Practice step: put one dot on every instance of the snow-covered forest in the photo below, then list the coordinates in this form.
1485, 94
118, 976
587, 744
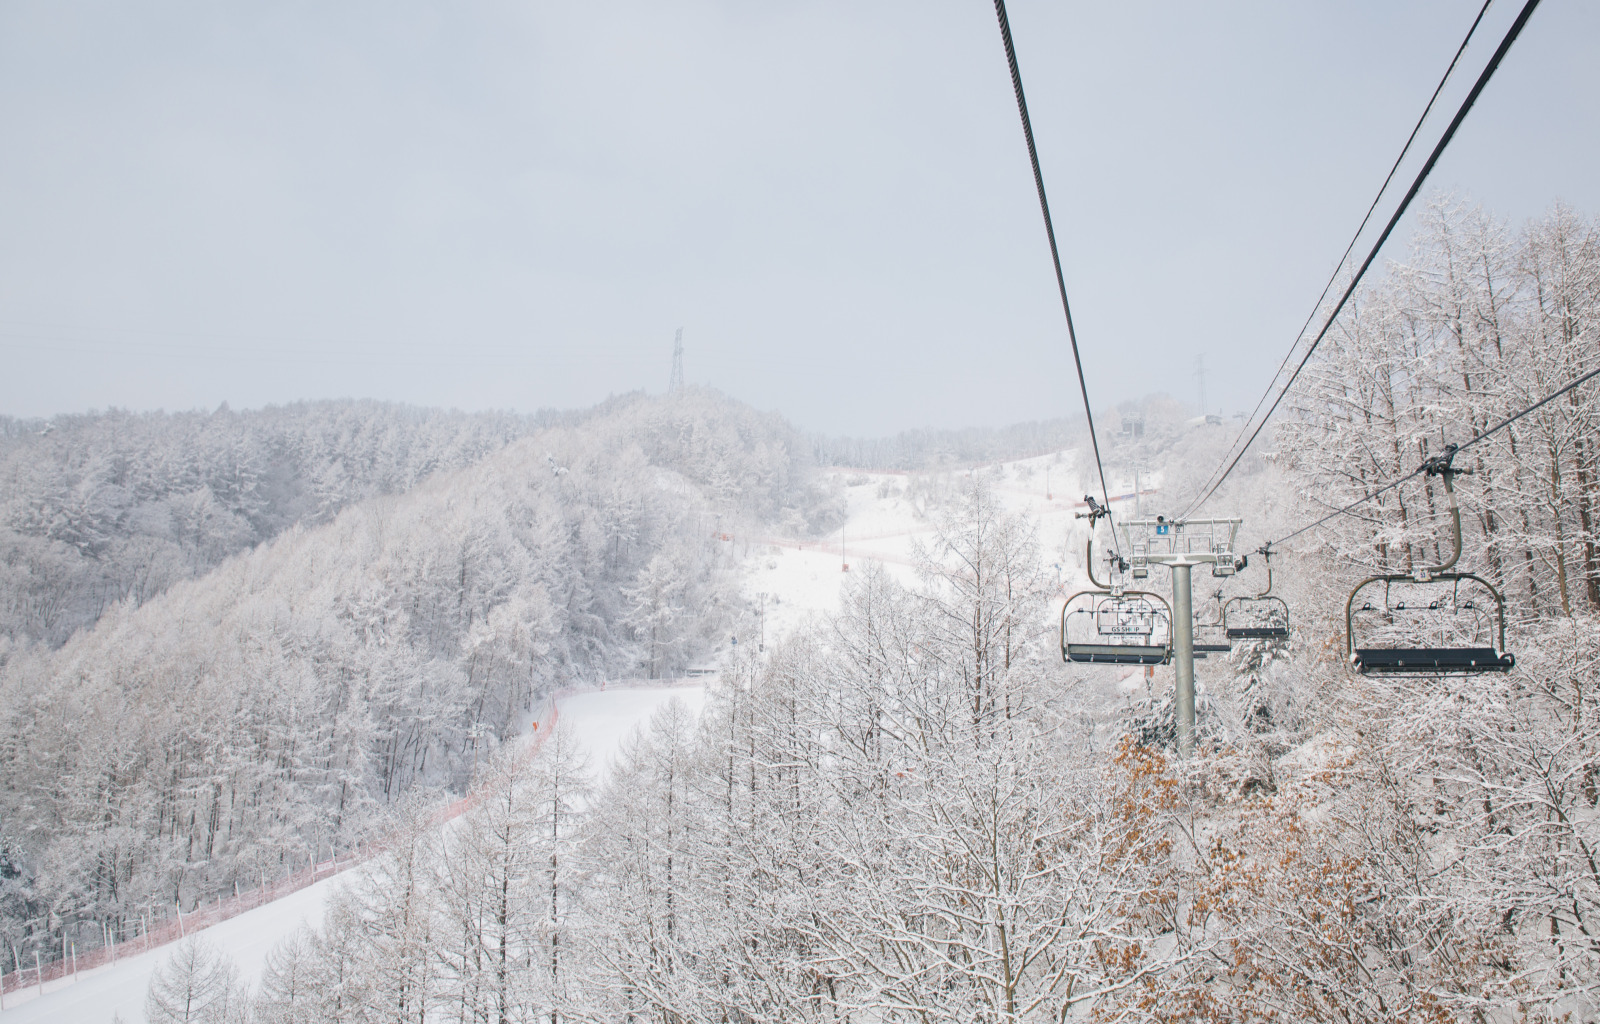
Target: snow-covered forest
219, 730
907, 810
109, 507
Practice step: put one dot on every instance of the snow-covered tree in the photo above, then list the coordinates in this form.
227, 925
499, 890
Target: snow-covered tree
196, 985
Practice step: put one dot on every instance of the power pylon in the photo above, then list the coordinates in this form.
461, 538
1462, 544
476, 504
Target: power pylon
677, 364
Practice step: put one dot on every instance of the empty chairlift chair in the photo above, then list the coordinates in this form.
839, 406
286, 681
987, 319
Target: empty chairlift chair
1262, 617
1431, 621
1104, 628
1110, 626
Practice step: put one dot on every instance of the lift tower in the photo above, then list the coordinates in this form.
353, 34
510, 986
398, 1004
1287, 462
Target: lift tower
676, 383
1180, 545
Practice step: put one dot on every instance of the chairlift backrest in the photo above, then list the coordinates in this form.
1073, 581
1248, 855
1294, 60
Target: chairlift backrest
1125, 616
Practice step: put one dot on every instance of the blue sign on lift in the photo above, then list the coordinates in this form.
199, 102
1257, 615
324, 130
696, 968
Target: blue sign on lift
1162, 529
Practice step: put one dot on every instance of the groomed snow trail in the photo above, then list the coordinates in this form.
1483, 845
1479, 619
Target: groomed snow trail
885, 520
119, 988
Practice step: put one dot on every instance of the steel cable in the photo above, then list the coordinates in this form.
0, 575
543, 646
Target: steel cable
1315, 306
1055, 254
1416, 186
1424, 467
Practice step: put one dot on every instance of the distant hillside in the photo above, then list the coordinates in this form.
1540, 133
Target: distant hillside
106, 507
244, 721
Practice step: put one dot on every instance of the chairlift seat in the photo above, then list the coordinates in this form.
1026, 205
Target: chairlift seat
1212, 648
1258, 633
1430, 660
1115, 654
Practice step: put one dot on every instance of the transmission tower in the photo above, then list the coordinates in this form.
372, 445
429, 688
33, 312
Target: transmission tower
677, 364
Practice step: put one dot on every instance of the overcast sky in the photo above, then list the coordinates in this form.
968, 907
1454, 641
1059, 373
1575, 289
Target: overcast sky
514, 205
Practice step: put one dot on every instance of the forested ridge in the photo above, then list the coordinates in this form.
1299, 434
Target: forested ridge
252, 719
101, 508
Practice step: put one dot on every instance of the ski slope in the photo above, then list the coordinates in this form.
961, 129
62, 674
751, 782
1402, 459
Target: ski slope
118, 988
888, 515
601, 721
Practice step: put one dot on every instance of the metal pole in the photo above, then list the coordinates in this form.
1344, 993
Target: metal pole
1183, 655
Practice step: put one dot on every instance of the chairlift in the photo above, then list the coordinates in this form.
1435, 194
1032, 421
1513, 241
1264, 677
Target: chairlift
1430, 621
1133, 627
1113, 626
1261, 617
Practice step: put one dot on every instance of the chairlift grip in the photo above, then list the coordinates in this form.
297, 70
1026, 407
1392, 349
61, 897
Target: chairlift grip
1096, 510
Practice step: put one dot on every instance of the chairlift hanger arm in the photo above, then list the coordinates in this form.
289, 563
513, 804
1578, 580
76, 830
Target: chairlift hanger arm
1441, 466
1088, 563
1265, 551
1096, 512
1217, 598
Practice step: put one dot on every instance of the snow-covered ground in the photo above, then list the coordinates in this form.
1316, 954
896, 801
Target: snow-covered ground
802, 580
886, 519
118, 989
601, 721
